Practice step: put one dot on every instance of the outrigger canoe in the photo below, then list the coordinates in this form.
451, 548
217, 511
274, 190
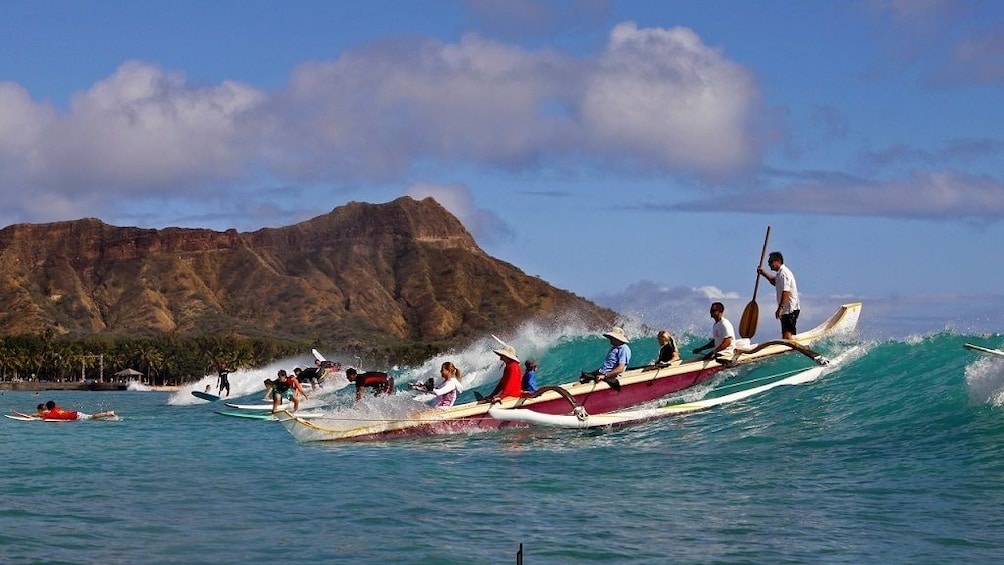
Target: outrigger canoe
634, 387
578, 418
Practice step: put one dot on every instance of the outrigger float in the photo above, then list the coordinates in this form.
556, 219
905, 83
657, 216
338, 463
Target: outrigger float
632, 388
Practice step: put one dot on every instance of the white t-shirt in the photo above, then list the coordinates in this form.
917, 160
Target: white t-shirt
785, 280
721, 330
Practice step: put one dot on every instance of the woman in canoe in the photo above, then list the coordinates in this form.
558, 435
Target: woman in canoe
446, 393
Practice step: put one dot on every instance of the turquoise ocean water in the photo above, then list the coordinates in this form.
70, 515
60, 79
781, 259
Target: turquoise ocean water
895, 457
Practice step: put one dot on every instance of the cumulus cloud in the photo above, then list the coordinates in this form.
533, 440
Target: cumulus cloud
660, 97
944, 195
665, 96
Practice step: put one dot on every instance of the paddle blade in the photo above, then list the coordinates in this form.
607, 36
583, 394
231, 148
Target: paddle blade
747, 325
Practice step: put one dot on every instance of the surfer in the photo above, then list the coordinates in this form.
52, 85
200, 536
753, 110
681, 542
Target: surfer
511, 382
224, 380
376, 380
286, 387
50, 411
317, 374
723, 334
787, 293
616, 361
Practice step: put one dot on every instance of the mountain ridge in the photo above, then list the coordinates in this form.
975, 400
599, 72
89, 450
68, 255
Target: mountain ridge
363, 275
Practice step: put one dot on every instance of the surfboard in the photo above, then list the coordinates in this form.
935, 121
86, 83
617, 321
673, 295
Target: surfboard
584, 421
252, 407
205, 396
28, 418
984, 350
264, 415
317, 355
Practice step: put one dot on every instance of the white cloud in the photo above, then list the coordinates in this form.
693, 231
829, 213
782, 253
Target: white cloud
666, 96
656, 97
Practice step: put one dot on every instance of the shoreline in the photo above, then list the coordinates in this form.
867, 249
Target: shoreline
32, 386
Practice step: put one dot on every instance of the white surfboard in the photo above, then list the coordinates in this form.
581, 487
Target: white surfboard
28, 418
266, 415
317, 355
251, 407
984, 350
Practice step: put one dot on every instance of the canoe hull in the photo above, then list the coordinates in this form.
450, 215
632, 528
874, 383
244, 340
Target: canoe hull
637, 386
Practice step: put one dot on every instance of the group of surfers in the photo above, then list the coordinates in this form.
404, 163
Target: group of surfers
288, 386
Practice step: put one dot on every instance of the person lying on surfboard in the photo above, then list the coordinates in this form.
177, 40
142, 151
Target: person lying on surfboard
52, 412
379, 382
317, 374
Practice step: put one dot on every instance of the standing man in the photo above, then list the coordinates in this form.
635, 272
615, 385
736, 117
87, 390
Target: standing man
723, 334
224, 381
787, 293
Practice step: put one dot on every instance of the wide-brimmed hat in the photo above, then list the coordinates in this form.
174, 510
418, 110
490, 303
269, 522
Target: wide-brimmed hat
618, 334
507, 351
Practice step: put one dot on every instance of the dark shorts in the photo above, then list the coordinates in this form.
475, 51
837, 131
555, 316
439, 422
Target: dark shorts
788, 322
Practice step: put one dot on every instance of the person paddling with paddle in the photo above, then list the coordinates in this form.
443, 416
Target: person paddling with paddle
723, 334
787, 293
616, 361
511, 383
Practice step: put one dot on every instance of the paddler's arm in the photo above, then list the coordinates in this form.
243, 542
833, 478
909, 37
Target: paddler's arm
711, 343
767, 276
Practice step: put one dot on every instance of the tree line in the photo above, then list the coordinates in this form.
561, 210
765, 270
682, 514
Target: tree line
162, 360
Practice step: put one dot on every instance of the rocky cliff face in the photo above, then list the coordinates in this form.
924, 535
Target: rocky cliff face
362, 275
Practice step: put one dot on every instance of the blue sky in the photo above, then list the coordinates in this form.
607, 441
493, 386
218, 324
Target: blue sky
632, 152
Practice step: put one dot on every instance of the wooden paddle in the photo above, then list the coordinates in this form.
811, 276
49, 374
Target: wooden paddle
747, 325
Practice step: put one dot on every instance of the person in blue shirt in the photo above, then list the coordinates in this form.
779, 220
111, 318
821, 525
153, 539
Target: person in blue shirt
616, 361
530, 375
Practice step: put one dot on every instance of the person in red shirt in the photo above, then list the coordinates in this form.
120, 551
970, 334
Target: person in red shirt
53, 412
511, 383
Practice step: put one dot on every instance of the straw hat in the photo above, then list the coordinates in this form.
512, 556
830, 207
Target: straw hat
618, 334
507, 351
